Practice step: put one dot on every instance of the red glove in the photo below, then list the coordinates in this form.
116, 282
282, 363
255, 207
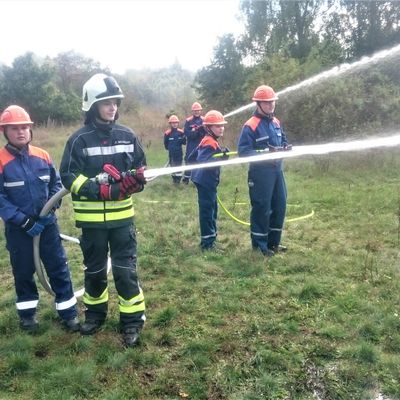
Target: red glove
110, 192
130, 184
112, 171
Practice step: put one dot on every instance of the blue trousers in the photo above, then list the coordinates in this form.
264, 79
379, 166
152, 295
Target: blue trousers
52, 254
208, 212
176, 159
268, 195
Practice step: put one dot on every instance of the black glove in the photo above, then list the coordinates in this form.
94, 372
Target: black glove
46, 219
287, 147
31, 227
224, 152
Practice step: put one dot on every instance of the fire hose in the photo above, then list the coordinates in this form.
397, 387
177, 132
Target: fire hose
297, 151
40, 271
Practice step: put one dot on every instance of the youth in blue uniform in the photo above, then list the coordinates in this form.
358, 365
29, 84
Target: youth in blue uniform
28, 180
207, 179
174, 139
194, 132
266, 181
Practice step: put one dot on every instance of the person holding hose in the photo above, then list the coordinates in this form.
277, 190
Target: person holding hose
97, 168
194, 132
267, 188
207, 179
28, 179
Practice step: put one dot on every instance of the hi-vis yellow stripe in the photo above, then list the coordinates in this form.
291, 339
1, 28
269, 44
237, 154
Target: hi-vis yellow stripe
87, 299
135, 304
105, 217
101, 205
77, 184
103, 211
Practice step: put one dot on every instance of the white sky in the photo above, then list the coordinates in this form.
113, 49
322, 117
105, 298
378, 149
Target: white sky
120, 34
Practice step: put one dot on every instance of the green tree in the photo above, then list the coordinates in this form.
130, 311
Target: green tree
32, 85
276, 26
364, 27
73, 69
221, 84
29, 85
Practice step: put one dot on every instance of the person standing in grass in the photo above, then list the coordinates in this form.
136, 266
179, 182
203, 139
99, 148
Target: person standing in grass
267, 188
194, 132
174, 139
28, 179
103, 205
207, 179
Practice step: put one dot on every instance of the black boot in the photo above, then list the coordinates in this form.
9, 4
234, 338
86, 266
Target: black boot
91, 326
72, 325
131, 336
265, 252
279, 249
29, 324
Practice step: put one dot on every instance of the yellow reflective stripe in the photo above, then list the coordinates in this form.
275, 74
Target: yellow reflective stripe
77, 183
102, 205
103, 298
104, 217
135, 304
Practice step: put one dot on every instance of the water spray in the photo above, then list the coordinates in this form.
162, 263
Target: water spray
333, 72
297, 151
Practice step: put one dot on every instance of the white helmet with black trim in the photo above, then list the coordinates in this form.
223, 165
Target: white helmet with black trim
100, 87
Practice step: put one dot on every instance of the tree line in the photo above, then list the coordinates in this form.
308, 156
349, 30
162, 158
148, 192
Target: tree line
283, 43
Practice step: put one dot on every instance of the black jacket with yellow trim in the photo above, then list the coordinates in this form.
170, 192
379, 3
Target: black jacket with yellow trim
85, 153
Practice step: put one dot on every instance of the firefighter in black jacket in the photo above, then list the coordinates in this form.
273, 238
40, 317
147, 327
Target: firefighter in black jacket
97, 168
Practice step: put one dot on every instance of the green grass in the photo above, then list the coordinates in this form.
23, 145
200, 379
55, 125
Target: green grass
322, 319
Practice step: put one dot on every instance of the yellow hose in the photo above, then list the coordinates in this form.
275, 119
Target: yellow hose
248, 224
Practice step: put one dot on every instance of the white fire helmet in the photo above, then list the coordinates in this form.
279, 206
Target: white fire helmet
100, 87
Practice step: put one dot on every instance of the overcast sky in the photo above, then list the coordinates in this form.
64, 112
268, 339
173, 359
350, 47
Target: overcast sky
120, 34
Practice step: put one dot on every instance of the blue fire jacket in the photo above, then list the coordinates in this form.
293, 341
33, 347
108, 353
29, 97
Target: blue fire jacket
207, 177
28, 180
194, 132
258, 133
174, 139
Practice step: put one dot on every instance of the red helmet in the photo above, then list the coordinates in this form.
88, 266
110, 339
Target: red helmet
173, 118
214, 117
196, 106
14, 115
264, 93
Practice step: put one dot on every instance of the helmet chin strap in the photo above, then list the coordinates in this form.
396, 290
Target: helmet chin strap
268, 115
210, 132
8, 140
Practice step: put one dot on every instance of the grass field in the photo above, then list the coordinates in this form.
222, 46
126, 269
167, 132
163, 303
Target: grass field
319, 322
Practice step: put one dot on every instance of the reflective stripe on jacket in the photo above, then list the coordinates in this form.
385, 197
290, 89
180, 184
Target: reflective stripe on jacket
258, 133
85, 154
174, 139
194, 132
27, 181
